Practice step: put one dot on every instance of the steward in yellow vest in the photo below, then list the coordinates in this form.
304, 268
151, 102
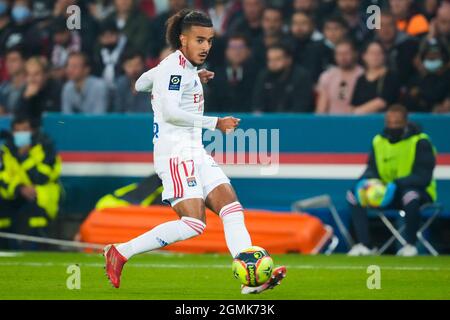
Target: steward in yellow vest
403, 158
29, 181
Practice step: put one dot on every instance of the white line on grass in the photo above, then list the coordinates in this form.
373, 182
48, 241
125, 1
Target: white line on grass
219, 266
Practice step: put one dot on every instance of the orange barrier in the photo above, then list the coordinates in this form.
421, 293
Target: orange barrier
276, 232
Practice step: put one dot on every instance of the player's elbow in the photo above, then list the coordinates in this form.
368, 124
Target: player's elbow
140, 86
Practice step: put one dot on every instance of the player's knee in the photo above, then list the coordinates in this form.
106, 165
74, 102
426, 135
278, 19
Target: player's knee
197, 225
231, 209
410, 196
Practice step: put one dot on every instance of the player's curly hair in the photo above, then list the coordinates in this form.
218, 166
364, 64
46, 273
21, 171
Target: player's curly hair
182, 21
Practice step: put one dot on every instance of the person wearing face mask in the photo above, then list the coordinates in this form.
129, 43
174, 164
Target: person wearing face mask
427, 91
29, 181
24, 32
404, 159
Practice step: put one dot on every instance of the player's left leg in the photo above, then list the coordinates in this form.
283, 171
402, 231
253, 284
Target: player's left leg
223, 201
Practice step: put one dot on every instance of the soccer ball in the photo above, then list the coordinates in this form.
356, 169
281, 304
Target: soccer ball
253, 266
375, 191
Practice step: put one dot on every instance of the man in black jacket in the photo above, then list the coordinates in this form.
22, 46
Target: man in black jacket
403, 158
283, 86
229, 91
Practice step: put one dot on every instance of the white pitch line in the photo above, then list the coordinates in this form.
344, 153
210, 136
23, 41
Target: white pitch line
219, 266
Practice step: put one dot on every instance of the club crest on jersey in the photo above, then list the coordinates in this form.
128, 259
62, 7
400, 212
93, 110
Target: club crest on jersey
174, 83
191, 182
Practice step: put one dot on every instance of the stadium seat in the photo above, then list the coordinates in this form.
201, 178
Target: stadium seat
430, 211
324, 201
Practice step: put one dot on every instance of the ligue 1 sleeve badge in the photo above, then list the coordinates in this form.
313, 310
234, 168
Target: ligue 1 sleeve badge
174, 83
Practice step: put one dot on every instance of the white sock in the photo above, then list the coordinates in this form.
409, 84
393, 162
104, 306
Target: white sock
236, 234
162, 235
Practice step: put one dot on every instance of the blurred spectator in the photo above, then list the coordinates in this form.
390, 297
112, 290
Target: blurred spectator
272, 26
220, 12
24, 31
11, 90
42, 9
440, 26
232, 83
311, 8
378, 87
64, 41
41, 93
335, 30
5, 24
29, 181
336, 85
126, 99
100, 9
89, 26
428, 90
408, 19
400, 48
283, 86
250, 24
108, 53
429, 8
132, 23
83, 93
159, 26
350, 10
308, 52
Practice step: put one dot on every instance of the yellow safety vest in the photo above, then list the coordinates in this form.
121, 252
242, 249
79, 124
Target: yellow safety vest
14, 173
396, 160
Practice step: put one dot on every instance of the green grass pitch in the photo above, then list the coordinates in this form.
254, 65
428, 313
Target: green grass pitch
184, 277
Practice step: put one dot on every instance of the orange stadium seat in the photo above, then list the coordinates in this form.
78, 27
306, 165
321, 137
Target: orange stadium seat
275, 231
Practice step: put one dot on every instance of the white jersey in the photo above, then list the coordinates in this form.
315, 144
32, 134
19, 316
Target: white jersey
178, 105
180, 160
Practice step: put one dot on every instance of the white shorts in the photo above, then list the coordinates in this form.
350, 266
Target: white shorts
188, 177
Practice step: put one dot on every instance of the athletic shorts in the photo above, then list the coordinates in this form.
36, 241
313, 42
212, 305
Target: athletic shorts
188, 177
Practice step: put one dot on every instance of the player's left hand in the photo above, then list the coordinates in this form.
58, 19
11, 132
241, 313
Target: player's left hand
205, 75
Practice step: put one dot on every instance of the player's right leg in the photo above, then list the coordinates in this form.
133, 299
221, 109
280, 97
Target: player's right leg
190, 224
186, 200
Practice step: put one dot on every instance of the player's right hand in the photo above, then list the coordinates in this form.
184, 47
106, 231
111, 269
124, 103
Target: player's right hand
227, 124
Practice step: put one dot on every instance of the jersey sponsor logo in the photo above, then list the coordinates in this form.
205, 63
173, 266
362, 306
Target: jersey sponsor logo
174, 83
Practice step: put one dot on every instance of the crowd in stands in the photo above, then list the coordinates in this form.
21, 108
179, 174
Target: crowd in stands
321, 56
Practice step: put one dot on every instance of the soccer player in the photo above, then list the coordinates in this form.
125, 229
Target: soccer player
191, 178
